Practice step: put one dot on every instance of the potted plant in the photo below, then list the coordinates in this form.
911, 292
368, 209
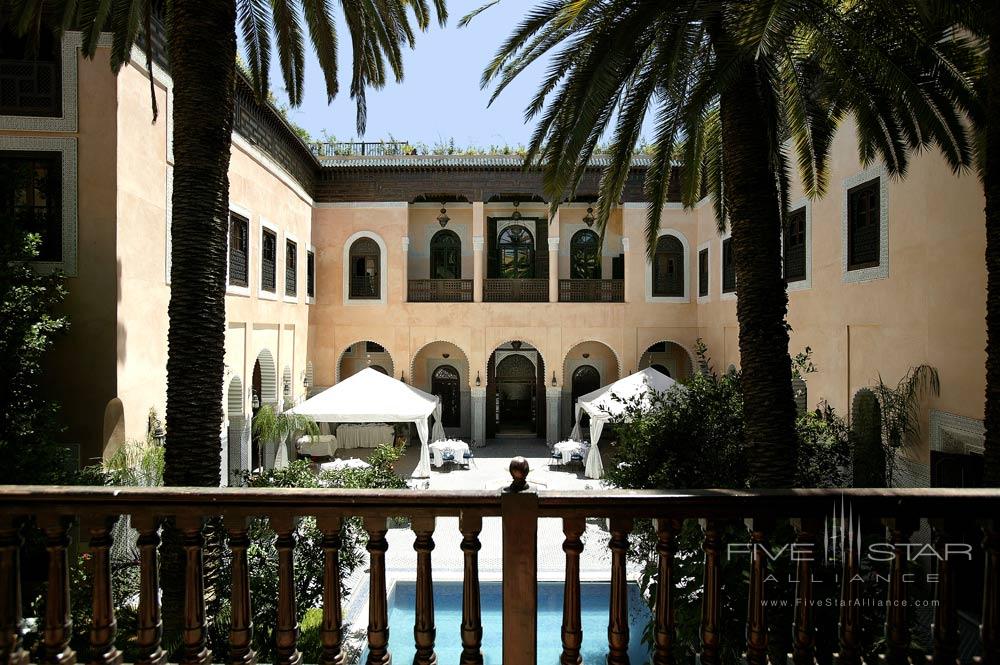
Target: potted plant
272, 430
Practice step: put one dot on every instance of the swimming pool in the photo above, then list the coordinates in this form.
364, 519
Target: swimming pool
448, 621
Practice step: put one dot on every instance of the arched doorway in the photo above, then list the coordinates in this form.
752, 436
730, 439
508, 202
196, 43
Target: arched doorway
365, 282
585, 255
445, 384
586, 379
360, 355
264, 390
515, 391
446, 255
669, 358
516, 253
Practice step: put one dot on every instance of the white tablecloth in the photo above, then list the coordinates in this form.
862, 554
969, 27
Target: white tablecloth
322, 445
368, 435
567, 449
338, 464
454, 446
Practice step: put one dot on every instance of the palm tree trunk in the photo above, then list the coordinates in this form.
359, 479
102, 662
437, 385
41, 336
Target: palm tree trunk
202, 51
991, 185
768, 399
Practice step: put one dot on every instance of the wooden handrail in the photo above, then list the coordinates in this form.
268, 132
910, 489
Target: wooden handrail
519, 506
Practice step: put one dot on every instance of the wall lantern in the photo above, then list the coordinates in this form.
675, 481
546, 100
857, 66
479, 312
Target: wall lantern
479, 381
516, 345
517, 213
443, 218
553, 378
445, 355
402, 377
589, 219
255, 402
586, 355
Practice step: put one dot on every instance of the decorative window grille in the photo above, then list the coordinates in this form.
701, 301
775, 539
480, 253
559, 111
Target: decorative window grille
30, 193
668, 268
585, 255
311, 274
703, 273
30, 80
863, 226
268, 258
239, 233
728, 267
365, 282
291, 268
795, 246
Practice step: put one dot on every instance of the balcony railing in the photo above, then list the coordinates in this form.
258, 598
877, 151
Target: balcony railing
516, 290
591, 290
364, 287
519, 507
439, 290
349, 148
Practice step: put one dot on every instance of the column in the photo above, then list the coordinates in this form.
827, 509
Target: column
553, 400
406, 268
554, 258
628, 270
478, 231
478, 394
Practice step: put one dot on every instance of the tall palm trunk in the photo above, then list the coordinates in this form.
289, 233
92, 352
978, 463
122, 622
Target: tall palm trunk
755, 221
202, 52
992, 188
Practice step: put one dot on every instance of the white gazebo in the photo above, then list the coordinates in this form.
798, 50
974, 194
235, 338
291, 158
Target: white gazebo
611, 400
372, 397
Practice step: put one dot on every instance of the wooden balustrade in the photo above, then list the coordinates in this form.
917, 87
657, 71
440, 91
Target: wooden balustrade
515, 290
519, 507
591, 290
439, 290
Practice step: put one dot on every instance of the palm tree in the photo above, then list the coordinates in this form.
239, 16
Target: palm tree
725, 84
201, 48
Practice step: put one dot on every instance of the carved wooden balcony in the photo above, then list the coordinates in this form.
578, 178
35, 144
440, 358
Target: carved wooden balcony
591, 290
516, 290
439, 290
52, 510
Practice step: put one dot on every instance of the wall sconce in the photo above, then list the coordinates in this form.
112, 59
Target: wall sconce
443, 218
445, 355
255, 402
402, 377
589, 219
553, 378
517, 213
586, 355
479, 381
516, 345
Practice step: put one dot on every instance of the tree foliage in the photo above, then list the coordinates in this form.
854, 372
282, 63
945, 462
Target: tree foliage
29, 325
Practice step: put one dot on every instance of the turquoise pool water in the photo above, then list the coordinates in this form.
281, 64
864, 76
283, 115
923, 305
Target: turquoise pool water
448, 621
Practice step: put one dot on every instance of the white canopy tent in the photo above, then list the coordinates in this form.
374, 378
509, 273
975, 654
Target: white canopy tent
372, 397
611, 400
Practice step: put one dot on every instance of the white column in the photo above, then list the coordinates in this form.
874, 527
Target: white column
553, 399
478, 394
554, 269
627, 268
478, 231
406, 268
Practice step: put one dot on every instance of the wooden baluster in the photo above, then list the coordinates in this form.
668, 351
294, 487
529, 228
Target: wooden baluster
897, 625
11, 622
150, 626
470, 524
572, 630
241, 622
58, 619
618, 636
330, 629
946, 613
378, 612
194, 649
804, 642
103, 628
423, 621
712, 546
519, 513
666, 548
286, 633
850, 589
990, 628
756, 611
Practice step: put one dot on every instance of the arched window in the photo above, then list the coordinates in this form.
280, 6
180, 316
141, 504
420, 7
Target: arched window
364, 258
661, 369
444, 384
516, 248
586, 379
668, 268
446, 255
585, 255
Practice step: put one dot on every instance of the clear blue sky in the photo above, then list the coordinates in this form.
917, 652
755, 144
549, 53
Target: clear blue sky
439, 97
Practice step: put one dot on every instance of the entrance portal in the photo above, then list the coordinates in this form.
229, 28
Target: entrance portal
515, 392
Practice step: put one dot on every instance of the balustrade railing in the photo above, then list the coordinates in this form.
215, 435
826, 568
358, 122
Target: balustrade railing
439, 290
516, 290
364, 287
591, 290
359, 148
53, 509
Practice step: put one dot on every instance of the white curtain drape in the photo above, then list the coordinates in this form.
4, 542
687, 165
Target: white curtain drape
595, 467
437, 434
423, 469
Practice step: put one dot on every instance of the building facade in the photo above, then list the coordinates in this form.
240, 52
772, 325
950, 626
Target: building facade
448, 272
